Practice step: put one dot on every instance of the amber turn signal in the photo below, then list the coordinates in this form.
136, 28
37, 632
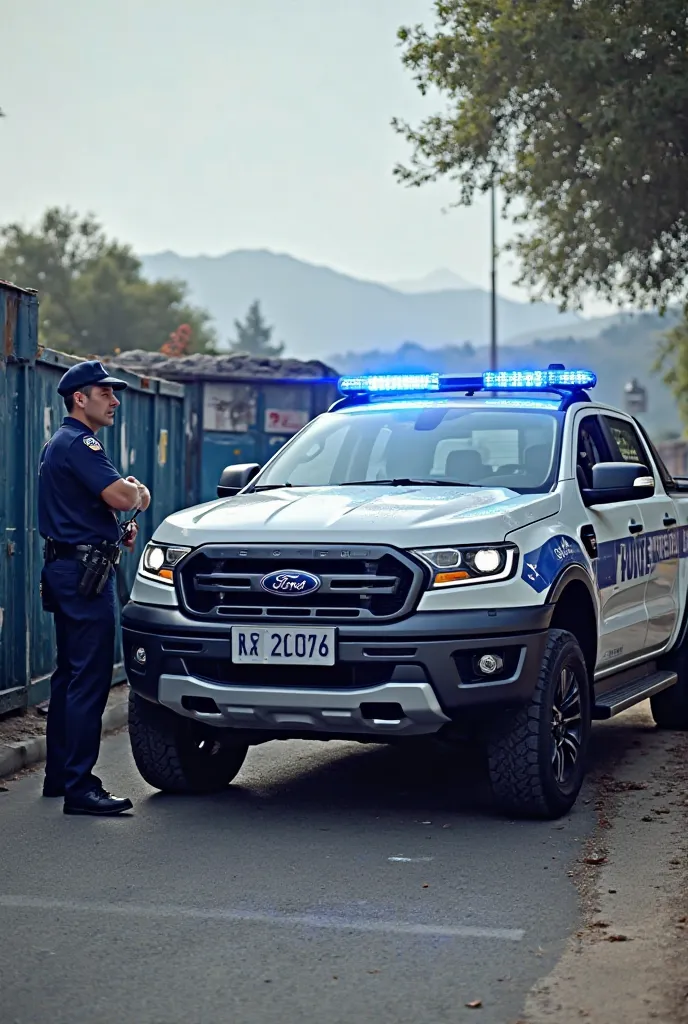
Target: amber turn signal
450, 577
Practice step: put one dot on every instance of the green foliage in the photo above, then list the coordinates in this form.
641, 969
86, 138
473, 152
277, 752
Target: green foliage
579, 110
254, 336
93, 299
672, 359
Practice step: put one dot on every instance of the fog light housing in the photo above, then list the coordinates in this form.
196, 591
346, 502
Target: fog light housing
489, 664
140, 655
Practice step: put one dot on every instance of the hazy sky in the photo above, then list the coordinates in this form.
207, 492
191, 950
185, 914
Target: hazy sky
209, 125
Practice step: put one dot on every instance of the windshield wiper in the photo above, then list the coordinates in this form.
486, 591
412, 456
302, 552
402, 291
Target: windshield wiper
407, 481
269, 487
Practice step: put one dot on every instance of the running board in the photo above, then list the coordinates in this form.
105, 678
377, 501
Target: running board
615, 701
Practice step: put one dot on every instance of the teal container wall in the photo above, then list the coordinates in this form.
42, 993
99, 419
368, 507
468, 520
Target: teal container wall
148, 441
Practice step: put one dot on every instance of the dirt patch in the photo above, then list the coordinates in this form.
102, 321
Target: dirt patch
19, 727
627, 964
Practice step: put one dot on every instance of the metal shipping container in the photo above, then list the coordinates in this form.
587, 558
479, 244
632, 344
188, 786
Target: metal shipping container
239, 408
148, 440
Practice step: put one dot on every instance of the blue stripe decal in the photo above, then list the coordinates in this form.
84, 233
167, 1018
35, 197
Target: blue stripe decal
542, 566
619, 561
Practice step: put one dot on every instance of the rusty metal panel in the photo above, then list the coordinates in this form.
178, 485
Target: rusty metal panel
148, 441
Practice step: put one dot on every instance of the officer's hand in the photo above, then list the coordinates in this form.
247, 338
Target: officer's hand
130, 539
144, 493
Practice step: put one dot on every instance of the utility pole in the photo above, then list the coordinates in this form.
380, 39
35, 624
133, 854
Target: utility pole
493, 296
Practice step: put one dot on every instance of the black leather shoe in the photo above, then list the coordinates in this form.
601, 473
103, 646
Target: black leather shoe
98, 802
52, 791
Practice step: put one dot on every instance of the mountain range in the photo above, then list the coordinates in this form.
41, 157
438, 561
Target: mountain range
440, 322
317, 311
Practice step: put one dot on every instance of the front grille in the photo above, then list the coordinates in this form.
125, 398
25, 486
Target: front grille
344, 676
223, 582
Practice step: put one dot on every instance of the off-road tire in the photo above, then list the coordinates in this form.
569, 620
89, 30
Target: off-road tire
178, 755
521, 742
670, 707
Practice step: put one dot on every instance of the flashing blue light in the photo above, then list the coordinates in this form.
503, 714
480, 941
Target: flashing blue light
523, 380
389, 382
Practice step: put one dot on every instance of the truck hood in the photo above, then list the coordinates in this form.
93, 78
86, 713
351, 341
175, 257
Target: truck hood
405, 517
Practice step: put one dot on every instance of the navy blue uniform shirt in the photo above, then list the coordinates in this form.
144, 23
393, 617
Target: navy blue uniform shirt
74, 470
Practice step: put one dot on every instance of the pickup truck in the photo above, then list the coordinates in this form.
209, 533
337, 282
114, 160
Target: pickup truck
494, 557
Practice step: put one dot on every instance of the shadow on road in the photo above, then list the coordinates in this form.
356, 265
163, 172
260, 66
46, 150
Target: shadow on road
419, 778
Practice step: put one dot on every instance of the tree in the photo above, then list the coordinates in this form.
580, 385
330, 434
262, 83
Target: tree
254, 335
579, 110
672, 358
93, 298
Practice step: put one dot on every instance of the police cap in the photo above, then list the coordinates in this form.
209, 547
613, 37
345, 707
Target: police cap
84, 375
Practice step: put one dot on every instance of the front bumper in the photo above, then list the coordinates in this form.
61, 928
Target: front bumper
409, 677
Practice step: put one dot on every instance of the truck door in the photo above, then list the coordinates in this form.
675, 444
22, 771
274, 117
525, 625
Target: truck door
623, 615
658, 546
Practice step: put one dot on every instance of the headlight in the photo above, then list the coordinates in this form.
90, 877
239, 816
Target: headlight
159, 560
452, 567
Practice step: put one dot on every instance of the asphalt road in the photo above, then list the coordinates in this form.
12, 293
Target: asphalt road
332, 882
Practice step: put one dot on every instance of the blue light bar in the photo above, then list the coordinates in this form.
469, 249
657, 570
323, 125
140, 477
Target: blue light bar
523, 380
389, 382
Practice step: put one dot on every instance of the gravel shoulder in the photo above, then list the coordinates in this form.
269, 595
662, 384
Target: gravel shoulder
627, 965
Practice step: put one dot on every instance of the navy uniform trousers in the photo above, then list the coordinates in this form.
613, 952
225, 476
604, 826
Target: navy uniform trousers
79, 687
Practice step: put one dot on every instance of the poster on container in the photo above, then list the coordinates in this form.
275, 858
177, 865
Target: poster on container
229, 407
285, 421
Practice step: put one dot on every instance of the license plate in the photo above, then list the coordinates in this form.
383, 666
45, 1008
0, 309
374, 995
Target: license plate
276, 645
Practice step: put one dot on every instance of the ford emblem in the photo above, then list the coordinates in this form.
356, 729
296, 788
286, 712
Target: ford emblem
290, 583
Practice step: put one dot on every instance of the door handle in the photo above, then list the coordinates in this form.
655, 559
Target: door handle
669, 520
634, 527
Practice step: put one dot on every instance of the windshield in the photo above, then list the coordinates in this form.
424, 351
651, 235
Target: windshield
443, 445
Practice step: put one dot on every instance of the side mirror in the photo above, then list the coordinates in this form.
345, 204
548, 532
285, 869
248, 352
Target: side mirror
235, 478
619, 481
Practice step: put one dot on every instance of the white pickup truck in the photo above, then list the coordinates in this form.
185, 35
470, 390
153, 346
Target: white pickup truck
496, 556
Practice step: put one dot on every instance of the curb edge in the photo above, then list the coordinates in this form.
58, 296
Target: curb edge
15, 756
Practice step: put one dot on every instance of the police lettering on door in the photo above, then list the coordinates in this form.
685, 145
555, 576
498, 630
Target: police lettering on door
632, 558
637, 556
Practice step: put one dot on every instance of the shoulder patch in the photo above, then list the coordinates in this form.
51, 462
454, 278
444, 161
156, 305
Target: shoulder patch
93, 443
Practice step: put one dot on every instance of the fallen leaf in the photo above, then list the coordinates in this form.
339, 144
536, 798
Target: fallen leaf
595, 858
617, 938
475, 1004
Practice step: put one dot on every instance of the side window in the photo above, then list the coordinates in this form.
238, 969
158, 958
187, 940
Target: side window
628, 444
590, 449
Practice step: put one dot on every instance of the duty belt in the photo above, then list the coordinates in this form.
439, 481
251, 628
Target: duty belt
55, 549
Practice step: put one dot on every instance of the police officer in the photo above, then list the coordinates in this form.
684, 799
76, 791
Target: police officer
79, 495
